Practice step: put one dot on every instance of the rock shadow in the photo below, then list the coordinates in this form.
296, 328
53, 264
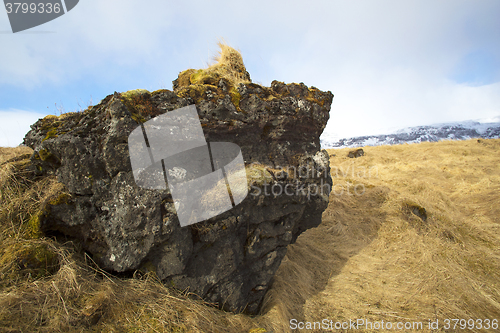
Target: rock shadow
349, 224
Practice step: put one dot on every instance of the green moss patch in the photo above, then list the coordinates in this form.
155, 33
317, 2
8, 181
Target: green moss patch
53, 126
49, 122
62, 198
148, 268
184, 78
159, 91
34, 225
316, 96
46, 155
35, 259
51, 134
235, 97
197, 92
33, 229
202, 76
140, 105
131, 94
138, 118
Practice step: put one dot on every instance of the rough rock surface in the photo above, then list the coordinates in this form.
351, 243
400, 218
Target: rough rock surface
229, 259
356, 153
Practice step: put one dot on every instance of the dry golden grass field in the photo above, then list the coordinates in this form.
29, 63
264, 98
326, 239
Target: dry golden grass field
411, 234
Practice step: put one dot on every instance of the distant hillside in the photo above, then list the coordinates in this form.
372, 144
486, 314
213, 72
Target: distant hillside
432, 133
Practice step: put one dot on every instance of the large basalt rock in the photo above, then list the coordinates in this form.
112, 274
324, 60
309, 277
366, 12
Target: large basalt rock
229, 259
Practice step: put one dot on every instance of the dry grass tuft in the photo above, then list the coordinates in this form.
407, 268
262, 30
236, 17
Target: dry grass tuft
23, 195
229, 66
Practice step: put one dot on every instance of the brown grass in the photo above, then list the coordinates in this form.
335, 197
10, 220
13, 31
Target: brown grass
23, 195
80, 297
8, 153
376, 256
375, 259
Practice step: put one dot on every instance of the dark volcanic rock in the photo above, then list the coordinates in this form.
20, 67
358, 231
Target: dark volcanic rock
229, 259
356, 153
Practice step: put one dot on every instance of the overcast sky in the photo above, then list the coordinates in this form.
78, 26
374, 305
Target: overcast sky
390, 64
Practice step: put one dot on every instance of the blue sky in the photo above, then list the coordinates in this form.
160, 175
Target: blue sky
389, 63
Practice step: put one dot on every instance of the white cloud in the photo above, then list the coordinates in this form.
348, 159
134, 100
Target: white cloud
389, 63
14, 124
95, 35
385, 105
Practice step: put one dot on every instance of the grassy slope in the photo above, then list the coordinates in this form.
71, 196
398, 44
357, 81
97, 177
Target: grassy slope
373, 257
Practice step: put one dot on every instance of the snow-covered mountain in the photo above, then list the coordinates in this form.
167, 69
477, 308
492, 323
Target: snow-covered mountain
447, 131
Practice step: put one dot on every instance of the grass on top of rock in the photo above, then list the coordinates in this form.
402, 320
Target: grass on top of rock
139, 103
228, 65
214, 83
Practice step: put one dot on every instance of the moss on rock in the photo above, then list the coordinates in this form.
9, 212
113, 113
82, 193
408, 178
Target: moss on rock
46, 155
51, 134
148, 268
34, 227
140, 105
197, 92
34, 223
32, 258
131, 94
235, 97
62, 198
184, 78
